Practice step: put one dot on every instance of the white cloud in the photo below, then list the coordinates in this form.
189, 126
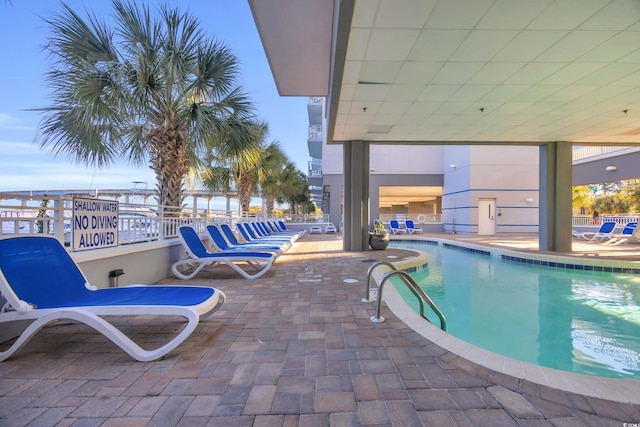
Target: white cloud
11, 122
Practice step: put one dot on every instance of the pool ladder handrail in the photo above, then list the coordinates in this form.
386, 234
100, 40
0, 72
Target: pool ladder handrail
367, 288
415, 290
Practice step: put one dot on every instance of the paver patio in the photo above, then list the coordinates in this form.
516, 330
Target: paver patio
293, 348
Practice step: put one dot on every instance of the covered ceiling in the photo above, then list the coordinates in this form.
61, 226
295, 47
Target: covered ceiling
402, 195
462, 71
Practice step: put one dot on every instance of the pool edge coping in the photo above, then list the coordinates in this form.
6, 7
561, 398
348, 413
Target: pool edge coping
613, 389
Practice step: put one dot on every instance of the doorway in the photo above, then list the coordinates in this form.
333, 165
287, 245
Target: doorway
486, 217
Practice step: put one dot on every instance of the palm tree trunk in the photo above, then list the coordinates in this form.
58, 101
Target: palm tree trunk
268, 206
245, 185
170, 164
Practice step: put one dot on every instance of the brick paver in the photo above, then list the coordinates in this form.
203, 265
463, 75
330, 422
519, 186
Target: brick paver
293, 348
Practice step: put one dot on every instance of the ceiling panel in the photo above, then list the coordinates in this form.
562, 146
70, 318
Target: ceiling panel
482, 45
437, 45
510, 15
616, 15
403, 13
495, 72
458, 13
574, 45
528, 45
379, 71
456, 73
567, 14
390, 44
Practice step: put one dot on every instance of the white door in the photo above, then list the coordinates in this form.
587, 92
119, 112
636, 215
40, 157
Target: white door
486, 217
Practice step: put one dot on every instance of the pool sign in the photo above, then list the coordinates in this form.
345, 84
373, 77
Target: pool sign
95, 224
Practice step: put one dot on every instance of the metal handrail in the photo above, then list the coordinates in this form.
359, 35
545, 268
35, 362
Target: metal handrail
416, 290
367, 288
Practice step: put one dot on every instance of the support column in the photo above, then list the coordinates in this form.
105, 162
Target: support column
555, 197
356, 196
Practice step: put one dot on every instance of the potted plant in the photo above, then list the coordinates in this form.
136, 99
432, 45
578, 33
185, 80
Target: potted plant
379, 238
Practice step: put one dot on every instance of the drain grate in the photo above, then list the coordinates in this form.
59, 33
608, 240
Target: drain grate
369, 260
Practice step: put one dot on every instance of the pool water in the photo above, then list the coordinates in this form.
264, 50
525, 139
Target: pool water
580, 321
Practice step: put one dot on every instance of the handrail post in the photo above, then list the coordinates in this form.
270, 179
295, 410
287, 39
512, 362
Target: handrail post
417, 290
367, 288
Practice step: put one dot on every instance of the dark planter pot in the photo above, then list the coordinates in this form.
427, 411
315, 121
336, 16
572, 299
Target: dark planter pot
378, 242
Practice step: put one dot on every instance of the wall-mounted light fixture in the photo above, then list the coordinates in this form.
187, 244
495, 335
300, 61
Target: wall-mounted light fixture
611, 168
529, 200
453, 166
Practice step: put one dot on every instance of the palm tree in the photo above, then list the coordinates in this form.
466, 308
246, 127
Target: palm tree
149, 89
270, 172
295, 188
237, 170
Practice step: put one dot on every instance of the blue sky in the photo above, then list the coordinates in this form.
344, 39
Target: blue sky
24, 166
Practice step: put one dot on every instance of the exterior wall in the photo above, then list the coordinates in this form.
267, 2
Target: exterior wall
595, 171
133, 259
507, 174
455, 192
332, 159
406, 159
466, 173
335, 203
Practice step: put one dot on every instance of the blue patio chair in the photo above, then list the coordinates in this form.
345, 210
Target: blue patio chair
42, 284
249, 234
605, 232
300, 232
220, 242
197, 257
231, 238
395, 227
627, 234
411, 228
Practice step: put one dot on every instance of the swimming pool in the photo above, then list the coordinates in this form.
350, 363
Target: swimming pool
586, 322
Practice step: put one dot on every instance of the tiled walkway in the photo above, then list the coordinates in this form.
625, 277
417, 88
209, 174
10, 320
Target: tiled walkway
293, 348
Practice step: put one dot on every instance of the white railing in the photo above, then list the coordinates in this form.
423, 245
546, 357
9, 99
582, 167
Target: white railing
299, 219
136, 222
621, 220
315, 132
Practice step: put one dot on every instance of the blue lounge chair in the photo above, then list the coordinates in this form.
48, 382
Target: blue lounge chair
197, 257
219, 241
331, 228
283, 227
605, 232
250, 236
411, 228
272, 231
395, 227
42, 284
231, 238
624, 236
261, 232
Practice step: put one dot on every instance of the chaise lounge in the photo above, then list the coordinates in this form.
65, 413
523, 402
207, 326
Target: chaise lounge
604, 232
42, 284
197, 257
